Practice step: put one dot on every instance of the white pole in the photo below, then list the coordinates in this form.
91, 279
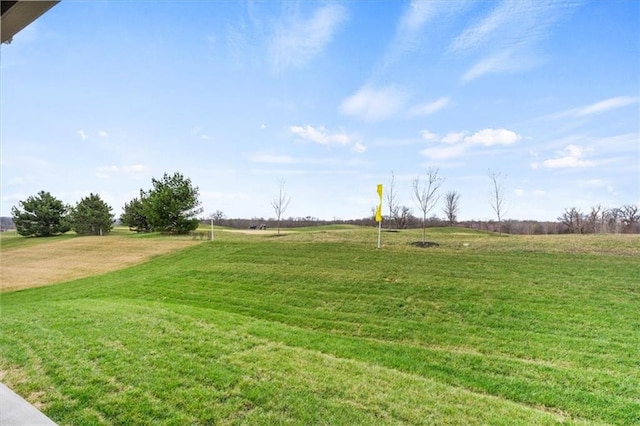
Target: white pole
379, 231
211, 229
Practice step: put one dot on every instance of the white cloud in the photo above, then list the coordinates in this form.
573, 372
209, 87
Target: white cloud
103, 134
489, 137
320, 135
413, 25
539, 193
298, 40
599, 107
570, 157
135, 169
507, 35
518, 192
82, 134
374, 104
500, 62
416, 16
429, 108
457, 143
428, 136
607, 105
359, 148
452, 138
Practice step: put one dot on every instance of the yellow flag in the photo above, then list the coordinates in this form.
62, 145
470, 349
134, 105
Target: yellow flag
379, 213
379, 208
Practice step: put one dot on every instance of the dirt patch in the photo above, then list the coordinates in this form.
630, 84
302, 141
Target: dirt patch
66, 260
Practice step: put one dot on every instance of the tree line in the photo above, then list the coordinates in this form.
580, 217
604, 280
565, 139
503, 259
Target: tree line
600, 220
171, 206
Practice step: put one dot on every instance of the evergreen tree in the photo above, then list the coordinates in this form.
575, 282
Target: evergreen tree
42, 215
92, 216
172, 205
134, 215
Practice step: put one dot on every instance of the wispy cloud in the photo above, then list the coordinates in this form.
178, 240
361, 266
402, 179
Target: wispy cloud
135, 171
599, 107
429, 108
320, 135
374, 104
82, 134
297, 40
413, 24
506, 37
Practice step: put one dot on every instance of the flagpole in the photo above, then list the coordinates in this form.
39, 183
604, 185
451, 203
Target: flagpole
379, 212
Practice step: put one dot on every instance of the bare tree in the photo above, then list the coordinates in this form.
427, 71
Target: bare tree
217, 216
496, 197
629, 215
280, 203
403, 216
451, 206
425, 194
572, 219
592, 218
392, 201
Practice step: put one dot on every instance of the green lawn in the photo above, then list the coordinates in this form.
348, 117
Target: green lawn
321, 327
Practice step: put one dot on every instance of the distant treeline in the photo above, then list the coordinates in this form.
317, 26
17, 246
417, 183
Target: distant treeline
516, 227
522, 227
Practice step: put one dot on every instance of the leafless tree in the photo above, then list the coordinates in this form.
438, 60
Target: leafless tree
217, 216
613, 217
572, 219
496, 197
425, 194
392, 201
604, 220
629, 215
403, 216
593, 217
451, 206
280, 203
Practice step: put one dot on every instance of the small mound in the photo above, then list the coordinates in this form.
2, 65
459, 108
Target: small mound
425, 244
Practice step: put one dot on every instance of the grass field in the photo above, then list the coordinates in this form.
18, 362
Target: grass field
319, 327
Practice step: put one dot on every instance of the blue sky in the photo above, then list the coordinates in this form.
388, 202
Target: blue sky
101, 96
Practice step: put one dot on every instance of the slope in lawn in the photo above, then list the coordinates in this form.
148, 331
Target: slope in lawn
302, 329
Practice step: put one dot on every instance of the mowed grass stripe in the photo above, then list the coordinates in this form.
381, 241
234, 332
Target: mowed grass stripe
231, 375
547, 330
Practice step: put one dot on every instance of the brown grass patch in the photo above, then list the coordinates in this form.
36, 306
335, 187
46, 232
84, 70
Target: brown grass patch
65, 260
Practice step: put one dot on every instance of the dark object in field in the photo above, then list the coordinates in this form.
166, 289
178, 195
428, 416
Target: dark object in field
425, 244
